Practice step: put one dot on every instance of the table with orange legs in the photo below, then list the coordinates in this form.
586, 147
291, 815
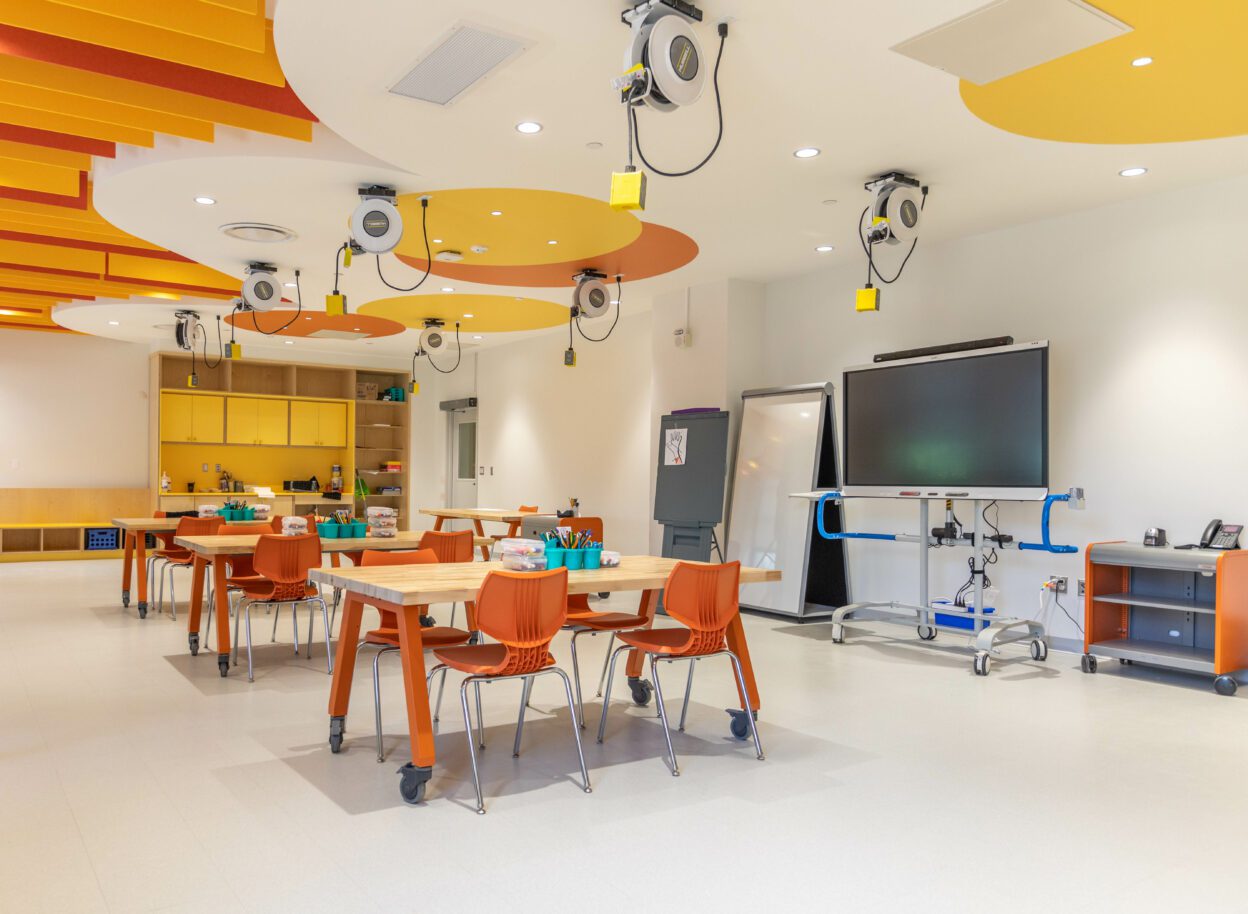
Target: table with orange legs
404, 589
215, 552
477, 515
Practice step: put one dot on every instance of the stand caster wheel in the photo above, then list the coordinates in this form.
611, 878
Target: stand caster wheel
642, 690
927, 633
193, 640
223, 665
142, 610
739, 724
427, 622
1087, 663
1225, 685
337, 727
838, 633
412, 783
982, 663
1039, 650
125, 598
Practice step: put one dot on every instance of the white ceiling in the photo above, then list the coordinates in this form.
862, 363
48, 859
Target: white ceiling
795, 73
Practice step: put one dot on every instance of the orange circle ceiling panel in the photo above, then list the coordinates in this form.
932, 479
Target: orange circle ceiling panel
1097, 96
316, 324
656, 251
475, 313
512, 226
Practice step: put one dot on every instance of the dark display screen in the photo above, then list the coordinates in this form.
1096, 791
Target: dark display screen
976, 422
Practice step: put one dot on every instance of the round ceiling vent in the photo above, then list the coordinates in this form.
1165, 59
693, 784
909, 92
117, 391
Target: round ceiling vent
257, 231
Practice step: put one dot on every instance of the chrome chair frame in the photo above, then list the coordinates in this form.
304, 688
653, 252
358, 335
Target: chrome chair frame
244, 610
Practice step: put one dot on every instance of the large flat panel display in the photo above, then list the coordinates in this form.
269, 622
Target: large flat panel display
973, 425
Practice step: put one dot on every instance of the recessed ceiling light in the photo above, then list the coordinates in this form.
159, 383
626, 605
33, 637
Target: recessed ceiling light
615, 301
289, 285
205, 201
437, 240
469, 316
1141, 61
307, 318
1133, 172
496, 212
806, 152
824, 249
477, 337
355, 329
593, 144
114, 323
829, 203
448, 288
529, 127
552, 241
290, 342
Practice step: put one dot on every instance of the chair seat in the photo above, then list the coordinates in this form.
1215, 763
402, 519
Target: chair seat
242, 581
175, 556
481, 659
606, 622
436, 636
660, 640
261, 591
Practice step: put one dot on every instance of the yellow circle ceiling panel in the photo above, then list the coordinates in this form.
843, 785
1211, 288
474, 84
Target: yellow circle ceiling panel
475, 313
522, 232
1193, 89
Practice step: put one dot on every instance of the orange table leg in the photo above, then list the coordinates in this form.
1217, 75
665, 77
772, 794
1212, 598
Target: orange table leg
140, 569
485, 550
737, 644
437, 523
197, 602
344, 669
220, 609
649, 604
417, 772
126, 568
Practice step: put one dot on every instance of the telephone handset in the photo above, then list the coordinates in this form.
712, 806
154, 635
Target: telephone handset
1221, 536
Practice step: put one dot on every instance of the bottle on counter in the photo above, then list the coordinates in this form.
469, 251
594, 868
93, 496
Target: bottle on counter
165, 482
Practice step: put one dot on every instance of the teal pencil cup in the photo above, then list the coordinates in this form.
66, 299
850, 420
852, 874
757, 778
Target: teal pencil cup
249, 513
554, 557
574, 559
593, 558
359, 529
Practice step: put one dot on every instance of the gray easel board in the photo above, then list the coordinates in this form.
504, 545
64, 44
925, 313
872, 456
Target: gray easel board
693, 466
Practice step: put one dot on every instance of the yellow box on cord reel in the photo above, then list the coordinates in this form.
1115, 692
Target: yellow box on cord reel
628, 190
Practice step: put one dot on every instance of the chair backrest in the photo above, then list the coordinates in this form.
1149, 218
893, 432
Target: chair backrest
577, 524
704, 598
244, 529
287, 559
513, 529
523, 611
449, 546
374, 557
166, 538
199, 526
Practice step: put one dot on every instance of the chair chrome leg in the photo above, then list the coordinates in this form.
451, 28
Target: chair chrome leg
381, 755
329, 650
311, 620
173, 597
658, 698
684, 711
472, 749
251, 673
277, 611
525, 688
576, 677
238, 616
605, 657
606, 697
437, 708
480, 716
294, 625
576, 731
749, 715
453, 605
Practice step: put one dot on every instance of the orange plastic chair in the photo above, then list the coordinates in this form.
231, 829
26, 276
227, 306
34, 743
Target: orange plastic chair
513, 528
522, 612
177, 557
449, 546
282, 564
704, 598
386, 635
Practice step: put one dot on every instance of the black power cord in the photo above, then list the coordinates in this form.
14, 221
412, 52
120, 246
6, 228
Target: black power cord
424, 228
294, 317
220, 347
458, 358
634, 134
619, 303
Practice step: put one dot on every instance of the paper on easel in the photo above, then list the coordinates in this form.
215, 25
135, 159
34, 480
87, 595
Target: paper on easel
675, 447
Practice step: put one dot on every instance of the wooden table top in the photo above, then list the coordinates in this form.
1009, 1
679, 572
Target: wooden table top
418, 584
162, 524
245, 545
502, 515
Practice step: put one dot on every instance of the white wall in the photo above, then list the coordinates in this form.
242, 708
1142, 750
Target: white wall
73, 411
1146, 306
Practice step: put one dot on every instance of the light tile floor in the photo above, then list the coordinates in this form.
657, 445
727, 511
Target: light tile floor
133, 778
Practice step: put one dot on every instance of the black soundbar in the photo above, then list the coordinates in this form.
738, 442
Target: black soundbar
942, 350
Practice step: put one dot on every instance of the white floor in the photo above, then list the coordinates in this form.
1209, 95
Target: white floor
133, 778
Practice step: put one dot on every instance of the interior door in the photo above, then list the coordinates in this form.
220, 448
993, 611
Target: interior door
462, 470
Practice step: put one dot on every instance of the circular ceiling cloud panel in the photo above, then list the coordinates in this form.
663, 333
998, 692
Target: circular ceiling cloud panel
521, 233
489, 313
1097, 96
316, 324
656, 251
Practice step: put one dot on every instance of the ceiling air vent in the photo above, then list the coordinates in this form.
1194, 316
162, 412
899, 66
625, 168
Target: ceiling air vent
456, 62
1008, 36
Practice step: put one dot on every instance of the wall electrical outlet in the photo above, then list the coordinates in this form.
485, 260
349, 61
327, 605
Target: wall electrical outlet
1061, 585
1082, 585
218, 468
204, 468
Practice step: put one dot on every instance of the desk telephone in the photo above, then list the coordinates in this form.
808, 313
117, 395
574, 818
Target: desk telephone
1221, 536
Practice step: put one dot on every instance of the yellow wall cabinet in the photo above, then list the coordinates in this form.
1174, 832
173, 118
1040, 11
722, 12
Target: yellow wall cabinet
318, 424
249, 420
190, 418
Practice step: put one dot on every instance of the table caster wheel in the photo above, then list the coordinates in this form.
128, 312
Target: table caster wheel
642, 690
838, 633
125, 598
738, 723
1225, 685
337, 727
193, 640
1039, 650
927, 633
412, 783
427, 622
1087, 663
142, 610
982, 663
223, 665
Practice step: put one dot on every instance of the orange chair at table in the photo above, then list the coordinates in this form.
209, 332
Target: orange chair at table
522, 612
513, 528
282, 564
242, 567
704, 598
450, 546
175, 556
